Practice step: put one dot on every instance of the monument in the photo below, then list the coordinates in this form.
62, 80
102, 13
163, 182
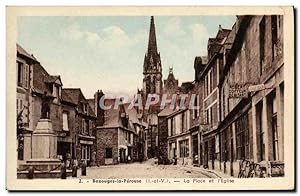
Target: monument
44, 159
44, 139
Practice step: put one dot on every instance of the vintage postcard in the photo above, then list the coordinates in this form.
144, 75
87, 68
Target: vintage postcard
150, 98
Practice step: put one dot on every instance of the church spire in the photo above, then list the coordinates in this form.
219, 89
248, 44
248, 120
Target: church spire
152, 46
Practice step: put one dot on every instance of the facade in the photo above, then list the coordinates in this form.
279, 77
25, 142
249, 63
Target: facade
65, 112
170, 84
163, 134
179, 137
152, 82
196, 117
256, 129
210, 78
81, 119
24, 64
117, 138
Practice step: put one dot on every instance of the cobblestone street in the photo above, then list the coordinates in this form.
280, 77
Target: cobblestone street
145, 170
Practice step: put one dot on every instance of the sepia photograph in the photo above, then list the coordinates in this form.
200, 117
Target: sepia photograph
170, 98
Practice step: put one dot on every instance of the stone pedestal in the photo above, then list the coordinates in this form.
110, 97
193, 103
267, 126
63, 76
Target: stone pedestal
44, 141
44, 153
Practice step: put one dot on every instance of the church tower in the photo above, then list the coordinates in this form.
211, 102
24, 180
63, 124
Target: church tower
152, 82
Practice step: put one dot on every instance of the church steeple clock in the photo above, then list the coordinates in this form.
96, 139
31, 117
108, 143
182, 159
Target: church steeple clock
152, 82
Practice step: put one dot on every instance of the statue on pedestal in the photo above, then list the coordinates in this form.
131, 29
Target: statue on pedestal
45, 112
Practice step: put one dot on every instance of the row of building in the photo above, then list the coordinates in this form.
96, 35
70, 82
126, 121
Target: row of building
82, 130
239, 88
240, 94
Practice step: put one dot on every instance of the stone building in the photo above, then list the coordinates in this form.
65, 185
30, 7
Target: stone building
179, 137
163, 135
196, 120
137, 124
24, 67
252, 122
170, 84
152, 82
210, 78
34, 85
116, 137
80, 117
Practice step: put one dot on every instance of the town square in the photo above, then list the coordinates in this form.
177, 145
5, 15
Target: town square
150, 97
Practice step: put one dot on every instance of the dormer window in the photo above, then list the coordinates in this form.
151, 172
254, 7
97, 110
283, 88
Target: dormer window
84, 108
23, 74
56, 92
65, 121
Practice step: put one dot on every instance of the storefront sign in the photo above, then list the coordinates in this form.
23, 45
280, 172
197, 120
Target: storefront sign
86, 142
255, 88
238, 91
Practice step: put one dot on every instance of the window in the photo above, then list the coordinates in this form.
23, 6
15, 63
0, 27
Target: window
274, 24
260, 133
87, 126
262, 30
210, 115
65, 121
207, 116
196, 104
209, 83
108, 153
242, 140
184, 148
85, 152
20, 73
275, 137
55, 93
129, 138
26, 76
224, 145
205, 86
211, 80
223, 103
84, 107
169, 127
183, 127
23, 74
83, 126
172, 126
274, 127
19, 105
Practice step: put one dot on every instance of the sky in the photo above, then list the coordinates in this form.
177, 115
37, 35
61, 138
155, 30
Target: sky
107, 52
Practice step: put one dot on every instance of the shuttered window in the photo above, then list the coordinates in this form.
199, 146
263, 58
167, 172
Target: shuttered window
65, 121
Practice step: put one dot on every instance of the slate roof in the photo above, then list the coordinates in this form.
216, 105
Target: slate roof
112, 115
52, 78
91, 103
223, 33
132, 113
186, 87
167, 111
77, 97
23, 52
65, 97
74, 94
40, 76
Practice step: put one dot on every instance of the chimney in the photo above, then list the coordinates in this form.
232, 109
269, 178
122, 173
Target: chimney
220, 27
99, 111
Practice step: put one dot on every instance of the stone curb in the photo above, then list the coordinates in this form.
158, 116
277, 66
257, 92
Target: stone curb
206, 172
